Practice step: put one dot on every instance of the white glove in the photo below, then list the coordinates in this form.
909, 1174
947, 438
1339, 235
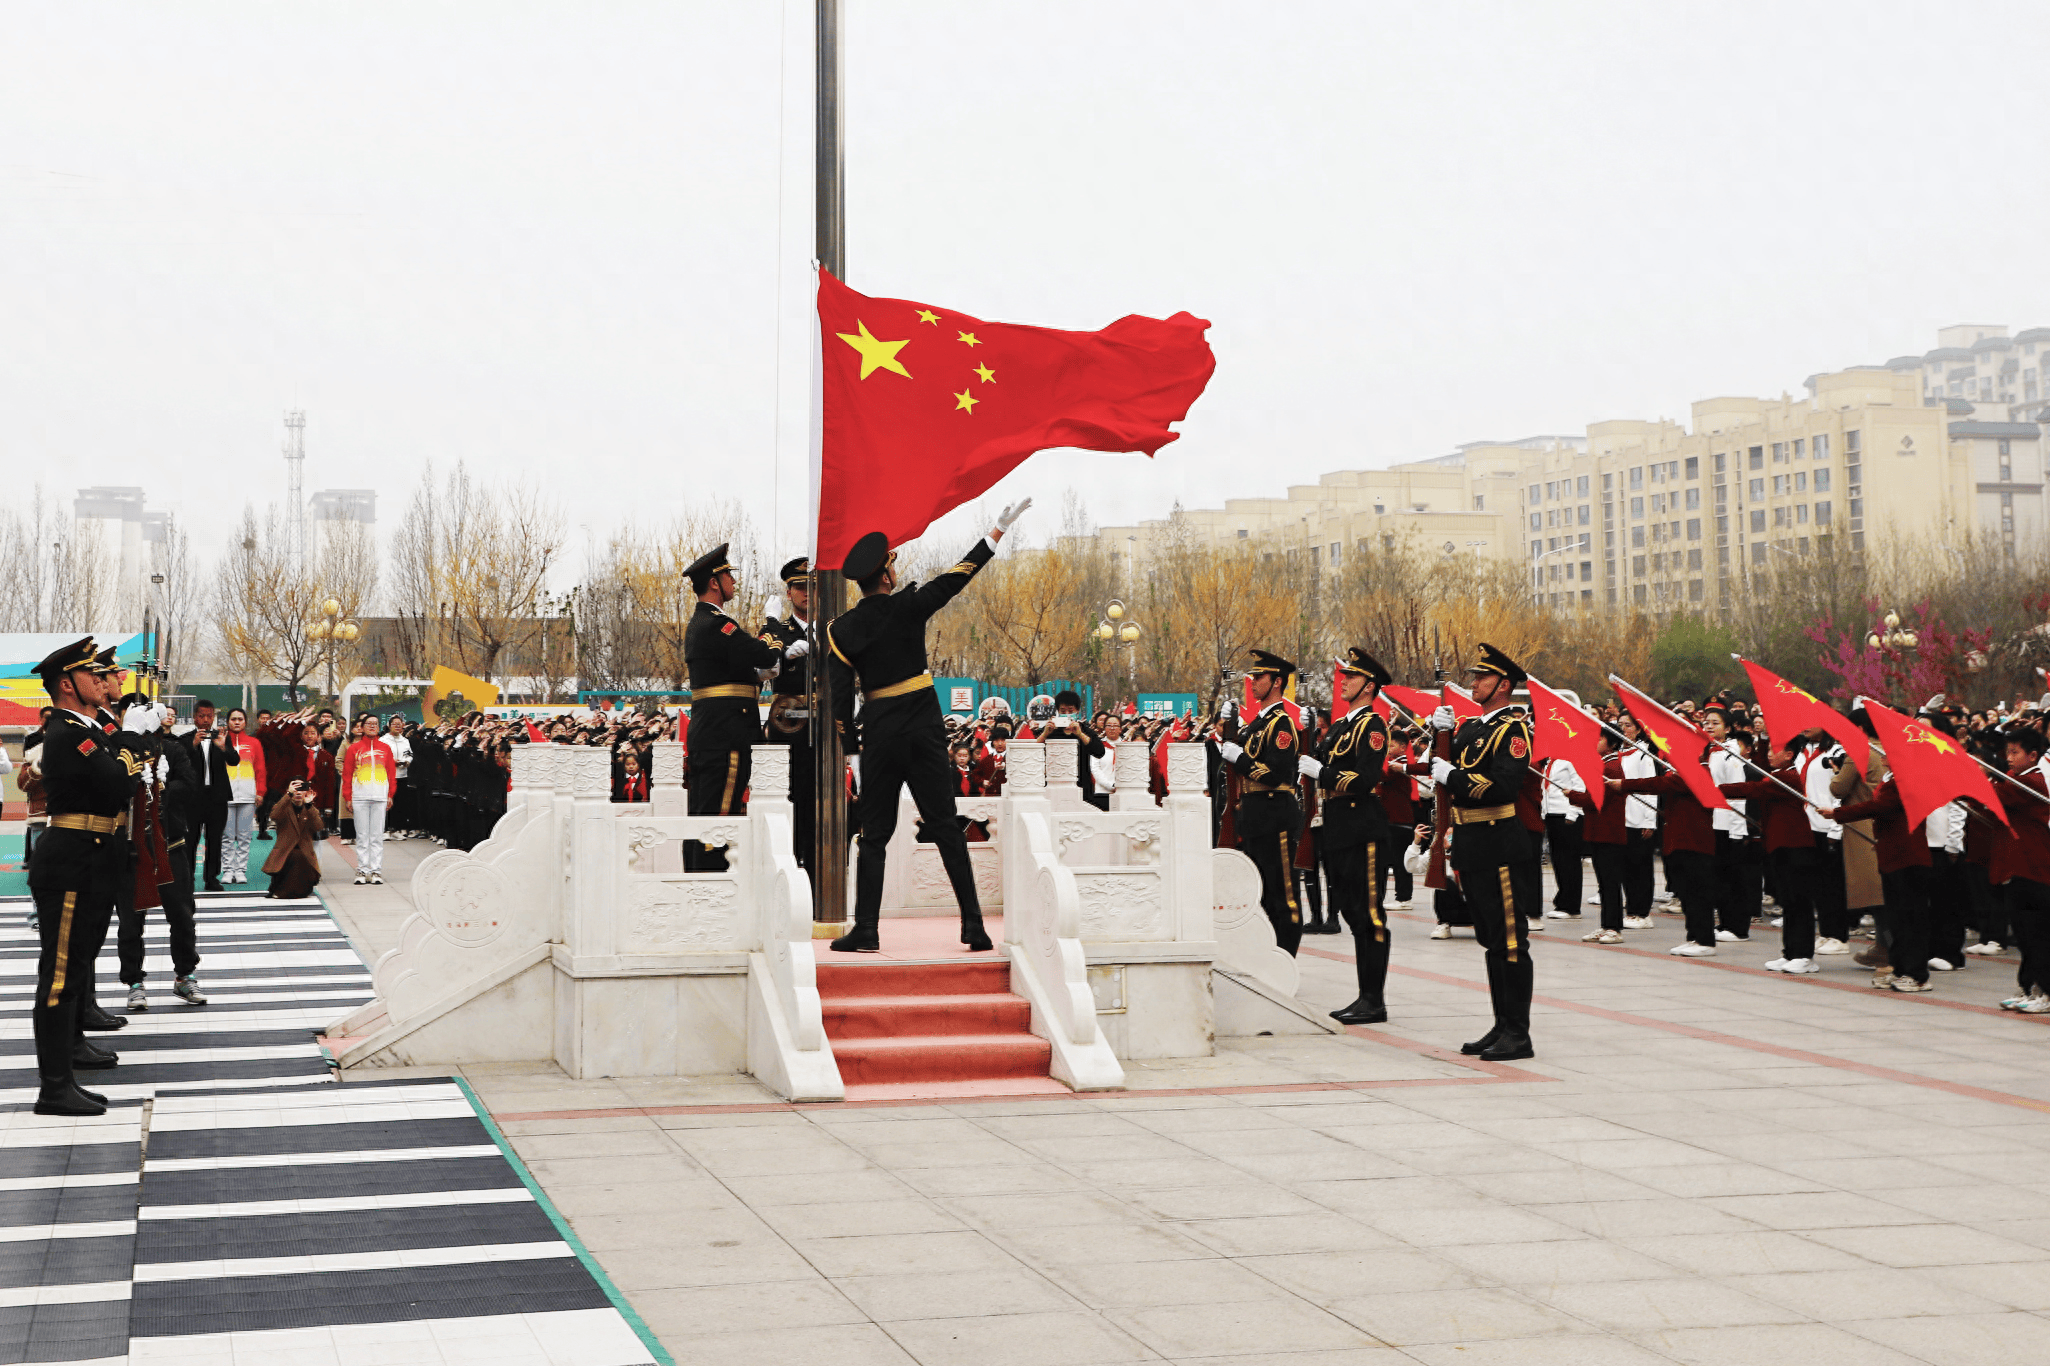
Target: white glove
163, 710
1313, 767
1441, 769
1012, 514
1933, 703
1229, 750
1442, 718
799, 648
140, 720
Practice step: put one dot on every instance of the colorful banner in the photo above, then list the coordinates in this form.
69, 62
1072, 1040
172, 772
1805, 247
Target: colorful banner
475, 692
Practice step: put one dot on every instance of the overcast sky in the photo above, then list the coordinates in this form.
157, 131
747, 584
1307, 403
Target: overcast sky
552, 239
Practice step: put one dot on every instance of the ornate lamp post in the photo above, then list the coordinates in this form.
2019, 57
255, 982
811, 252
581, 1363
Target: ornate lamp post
1894, 638
330, 630
1118, 628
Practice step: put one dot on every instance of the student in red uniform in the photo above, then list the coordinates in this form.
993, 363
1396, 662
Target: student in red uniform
1790, 853
1689, 848
1604, 835
2022, 862
370, 775
1904, 865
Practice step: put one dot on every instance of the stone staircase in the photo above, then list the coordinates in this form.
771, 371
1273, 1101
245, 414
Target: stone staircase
903, 1029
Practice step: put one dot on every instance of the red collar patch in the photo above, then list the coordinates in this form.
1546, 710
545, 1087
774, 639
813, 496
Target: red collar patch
87, 747
727, 629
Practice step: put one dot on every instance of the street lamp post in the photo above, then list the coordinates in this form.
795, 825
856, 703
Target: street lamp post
330, 629
1118, 628
1894, 638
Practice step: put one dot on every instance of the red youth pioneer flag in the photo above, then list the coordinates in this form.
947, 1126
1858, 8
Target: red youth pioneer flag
1680, 744
1929, 767
1415, 701
1790, 710
926, 408
1464, 708
1560, 730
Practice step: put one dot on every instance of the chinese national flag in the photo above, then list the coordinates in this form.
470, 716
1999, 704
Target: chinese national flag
1789, 710
1680, 744
926, 408
1929, 767
1560, 730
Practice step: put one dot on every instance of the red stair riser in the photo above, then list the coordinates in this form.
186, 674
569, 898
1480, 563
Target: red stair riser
914, 979
913, 1016
967, 1058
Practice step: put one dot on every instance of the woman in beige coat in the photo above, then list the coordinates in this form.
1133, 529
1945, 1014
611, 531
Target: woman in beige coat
294, 862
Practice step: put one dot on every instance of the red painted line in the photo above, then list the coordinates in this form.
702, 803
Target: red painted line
1711, 1036
1808, 979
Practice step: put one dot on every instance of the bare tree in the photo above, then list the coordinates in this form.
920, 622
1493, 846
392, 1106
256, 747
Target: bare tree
267, 609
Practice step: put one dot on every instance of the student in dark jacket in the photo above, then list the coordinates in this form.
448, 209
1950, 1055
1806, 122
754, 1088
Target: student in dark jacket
1904, 870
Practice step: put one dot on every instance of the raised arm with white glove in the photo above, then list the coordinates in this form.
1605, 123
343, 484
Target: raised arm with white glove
798, 649
1442, 719
1006, 517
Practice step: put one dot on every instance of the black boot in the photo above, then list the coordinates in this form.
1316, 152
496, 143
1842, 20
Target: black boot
1488, 1040
861, 939
973, 934
59, 1096
90, 1057
1370, 962
96, 1097
1510, 1045
90, 1016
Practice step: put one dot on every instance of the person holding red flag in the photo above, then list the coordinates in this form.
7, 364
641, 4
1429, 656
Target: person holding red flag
2022, 862
1686, 795
1492, 850
1355, 834
1790, 850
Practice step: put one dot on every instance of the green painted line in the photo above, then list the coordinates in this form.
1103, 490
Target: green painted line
569, 1235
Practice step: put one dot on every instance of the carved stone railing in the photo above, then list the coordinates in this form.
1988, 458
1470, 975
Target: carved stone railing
915, 881
1132, 765
786, 1037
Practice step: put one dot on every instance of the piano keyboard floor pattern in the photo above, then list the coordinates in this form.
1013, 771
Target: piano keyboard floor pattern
280, 1218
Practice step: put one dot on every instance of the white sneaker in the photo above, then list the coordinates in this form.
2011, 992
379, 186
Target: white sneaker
2035, 1005
1692, 950
1941, 965
1725, 936
1442, 931
1538, 925
2011, 1003
362, 881
1664, 899
377, 879
1560, 915
1397, 906
1776, 965
1595, 900
1827, 946
1778, 922
1799, 965
1767, 901
1602, 937
1985, 948
1636, 922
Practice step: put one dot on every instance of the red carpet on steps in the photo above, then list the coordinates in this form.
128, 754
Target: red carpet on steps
950, 1026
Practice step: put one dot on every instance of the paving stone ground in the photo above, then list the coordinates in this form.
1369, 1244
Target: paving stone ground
1705, 1163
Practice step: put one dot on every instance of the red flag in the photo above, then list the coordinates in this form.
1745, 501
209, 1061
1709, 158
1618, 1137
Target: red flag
1679, 742
1131, 709
534, 734
1560, 730
1415, 701
925, 408
1252, 708
1790, 710
1461, 701
1930, 768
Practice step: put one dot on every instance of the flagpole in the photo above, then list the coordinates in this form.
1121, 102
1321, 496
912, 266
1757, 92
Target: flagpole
829, 588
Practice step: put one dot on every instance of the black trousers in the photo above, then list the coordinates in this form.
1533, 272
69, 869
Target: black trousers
213, 825
1355, 874
1310, 882
1638, 848
1986, 909
1497, 896
1690, 875
718, 787
804, 810
74, 880
1392, 866
1266, 826
915, 758
1793, 877
1949, 896
1564, 836
2028, 911
1739, 891
1905, 920
1832, 915
180, 914
1608, 860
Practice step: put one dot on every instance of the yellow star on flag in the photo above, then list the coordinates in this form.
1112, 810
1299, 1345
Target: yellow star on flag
926, 315
969, 339
875, 355
987, 375
965, 401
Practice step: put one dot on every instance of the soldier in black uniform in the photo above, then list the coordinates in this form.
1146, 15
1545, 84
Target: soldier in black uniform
75, 870
726, 667
790, 702
1493, 852
1356, 837
1269, 815
878, 645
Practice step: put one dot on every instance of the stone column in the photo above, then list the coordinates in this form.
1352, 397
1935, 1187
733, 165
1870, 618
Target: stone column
667, 795
1134, 772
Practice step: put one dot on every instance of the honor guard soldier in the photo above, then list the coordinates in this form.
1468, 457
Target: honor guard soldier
1356, 837
75, 871
789, 708
1492, 850
726, 666
878, 645
1268, 815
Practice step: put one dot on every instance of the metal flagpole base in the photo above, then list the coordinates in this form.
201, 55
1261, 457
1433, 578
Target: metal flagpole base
830, 929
